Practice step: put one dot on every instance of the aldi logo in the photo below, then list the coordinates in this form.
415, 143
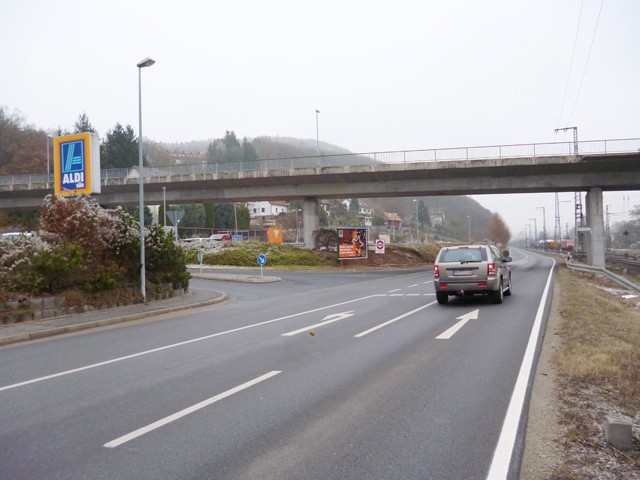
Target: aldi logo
73, 168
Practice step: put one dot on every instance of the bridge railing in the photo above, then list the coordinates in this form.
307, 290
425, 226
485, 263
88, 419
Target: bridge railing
590, 147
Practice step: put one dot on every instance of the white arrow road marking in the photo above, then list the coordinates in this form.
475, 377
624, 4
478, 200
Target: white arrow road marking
463, 319
180, 344
334, 317
178, 415
389, 322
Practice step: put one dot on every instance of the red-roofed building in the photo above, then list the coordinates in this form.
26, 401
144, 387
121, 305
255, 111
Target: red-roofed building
392, 220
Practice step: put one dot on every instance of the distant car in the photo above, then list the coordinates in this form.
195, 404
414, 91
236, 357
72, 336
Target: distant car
221, 237
471, 270
195, 240
13, 235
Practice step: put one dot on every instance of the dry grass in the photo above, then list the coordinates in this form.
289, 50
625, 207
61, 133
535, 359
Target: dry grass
599, 372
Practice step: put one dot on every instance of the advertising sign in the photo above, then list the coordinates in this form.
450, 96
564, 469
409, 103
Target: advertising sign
352, 243
274, 235
76, 164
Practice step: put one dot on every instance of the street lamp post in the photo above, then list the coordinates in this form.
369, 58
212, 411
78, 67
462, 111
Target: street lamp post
147, 62
48, 170
235, 217
164, 205
417, 233
544, 224
535, 229
317, 137
469, 219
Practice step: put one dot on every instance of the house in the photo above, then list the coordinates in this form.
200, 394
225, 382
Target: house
364, 212
437, 217
264, 213
392, 220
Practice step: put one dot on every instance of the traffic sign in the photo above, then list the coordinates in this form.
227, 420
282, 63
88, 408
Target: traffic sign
380, 246
262, 259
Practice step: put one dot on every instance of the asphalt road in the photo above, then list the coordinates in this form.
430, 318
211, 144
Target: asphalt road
322, 376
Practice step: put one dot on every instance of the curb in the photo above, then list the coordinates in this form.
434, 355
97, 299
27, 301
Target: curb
235, 277
23, 337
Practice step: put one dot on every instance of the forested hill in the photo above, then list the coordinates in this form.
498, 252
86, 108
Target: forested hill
265, 147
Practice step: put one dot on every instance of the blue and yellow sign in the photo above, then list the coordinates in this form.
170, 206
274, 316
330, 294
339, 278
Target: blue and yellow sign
76, 164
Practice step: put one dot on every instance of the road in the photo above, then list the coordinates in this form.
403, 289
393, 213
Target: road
344, 375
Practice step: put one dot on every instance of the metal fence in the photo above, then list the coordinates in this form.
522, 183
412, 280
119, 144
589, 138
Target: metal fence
590, 147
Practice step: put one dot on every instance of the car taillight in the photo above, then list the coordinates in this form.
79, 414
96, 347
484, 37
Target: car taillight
491, 269
436, 271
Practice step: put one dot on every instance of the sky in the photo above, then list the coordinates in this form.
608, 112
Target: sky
412, 74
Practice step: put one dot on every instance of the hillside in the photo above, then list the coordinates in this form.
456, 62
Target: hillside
23, 150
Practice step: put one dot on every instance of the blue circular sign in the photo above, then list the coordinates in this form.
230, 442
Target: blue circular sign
262, 259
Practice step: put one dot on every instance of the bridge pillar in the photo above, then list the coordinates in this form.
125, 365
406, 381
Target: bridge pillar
311, 220
595, 239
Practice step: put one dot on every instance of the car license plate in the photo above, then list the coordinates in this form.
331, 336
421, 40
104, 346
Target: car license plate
461, 273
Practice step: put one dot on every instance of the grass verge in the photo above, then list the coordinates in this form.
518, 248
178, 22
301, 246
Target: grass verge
598, 366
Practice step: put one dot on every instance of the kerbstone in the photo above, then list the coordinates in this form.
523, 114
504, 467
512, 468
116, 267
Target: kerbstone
618, 432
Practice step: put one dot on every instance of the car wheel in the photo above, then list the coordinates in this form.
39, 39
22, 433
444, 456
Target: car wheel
498, 295
442, 298
507, 292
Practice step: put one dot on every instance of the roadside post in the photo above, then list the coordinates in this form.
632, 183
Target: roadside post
200, 258
262, 259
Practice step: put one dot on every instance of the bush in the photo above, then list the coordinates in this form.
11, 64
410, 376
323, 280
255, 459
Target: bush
84, 247
50, 271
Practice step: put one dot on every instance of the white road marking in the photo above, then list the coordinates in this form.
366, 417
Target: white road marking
499, 469
463, 319
325, 321
179, 344
396, 290
414, 285
389, 322
182, 413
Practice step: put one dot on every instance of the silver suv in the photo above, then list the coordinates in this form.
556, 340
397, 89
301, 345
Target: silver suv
470, 270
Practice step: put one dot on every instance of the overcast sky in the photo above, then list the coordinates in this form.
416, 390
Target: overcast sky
384, 75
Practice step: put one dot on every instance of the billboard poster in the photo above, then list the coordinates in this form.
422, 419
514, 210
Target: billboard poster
76, 164
274, 235
352, 243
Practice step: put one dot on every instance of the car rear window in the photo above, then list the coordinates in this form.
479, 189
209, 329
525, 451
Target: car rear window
464, 255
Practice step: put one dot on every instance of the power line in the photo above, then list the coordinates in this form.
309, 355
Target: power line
575, 42
586, 65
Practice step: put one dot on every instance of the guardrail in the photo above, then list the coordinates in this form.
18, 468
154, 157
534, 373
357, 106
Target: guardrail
589, 147
603, 271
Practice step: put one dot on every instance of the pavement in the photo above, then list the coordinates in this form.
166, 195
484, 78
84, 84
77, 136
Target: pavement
195, 298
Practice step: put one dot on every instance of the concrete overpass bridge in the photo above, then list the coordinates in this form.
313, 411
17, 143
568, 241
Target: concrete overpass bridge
587, 166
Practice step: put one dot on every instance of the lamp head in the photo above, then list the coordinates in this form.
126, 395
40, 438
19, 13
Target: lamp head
147, 62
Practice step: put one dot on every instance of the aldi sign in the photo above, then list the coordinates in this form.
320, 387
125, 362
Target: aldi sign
76, 164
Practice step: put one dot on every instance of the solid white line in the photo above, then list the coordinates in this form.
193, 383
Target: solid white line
174, 345
389, 322
504, 449
446, 335
182, 413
